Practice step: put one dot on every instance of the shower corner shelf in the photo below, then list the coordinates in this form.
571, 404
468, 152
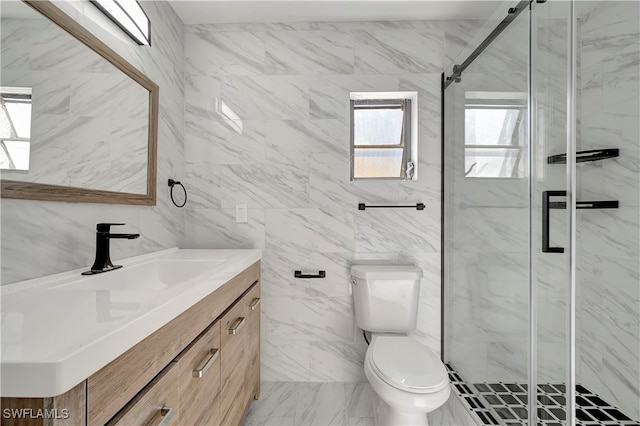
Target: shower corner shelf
584, 156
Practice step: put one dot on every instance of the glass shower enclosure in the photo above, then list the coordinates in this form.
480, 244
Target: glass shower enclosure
541, 235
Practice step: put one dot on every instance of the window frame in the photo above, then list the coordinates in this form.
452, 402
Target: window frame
498, 103
397, 102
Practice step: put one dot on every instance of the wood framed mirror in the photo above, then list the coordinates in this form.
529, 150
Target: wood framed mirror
94, 116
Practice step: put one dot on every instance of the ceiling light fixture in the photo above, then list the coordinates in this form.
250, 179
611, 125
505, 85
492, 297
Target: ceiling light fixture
129, 16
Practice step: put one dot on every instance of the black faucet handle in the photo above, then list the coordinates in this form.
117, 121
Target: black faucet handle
106, 227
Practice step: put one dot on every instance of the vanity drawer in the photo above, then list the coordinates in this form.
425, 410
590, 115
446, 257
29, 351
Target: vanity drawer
199, 371
235, 330
156, 405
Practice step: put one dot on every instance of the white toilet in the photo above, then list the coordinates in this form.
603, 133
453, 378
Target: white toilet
409, 379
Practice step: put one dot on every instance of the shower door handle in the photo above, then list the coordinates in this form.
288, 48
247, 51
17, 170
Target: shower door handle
546, 205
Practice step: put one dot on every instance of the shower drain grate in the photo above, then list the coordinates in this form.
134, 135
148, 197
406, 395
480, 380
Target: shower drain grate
506, 404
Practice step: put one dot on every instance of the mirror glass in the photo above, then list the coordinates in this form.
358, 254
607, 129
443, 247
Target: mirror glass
68, 116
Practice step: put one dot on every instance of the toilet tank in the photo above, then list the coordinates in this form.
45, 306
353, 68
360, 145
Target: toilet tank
386, 297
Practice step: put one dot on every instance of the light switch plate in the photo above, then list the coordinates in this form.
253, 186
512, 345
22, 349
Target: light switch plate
241, 213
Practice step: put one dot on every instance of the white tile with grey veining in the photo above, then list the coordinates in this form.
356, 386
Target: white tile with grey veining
266, 97
338, 269
330, 185
126, 97
429, 314
258, 26
264, 186
289, 142
284, 360
14, 35
308, 230
399, 51
407, 229
330, 139
312, 319
203, 186
218, 142
213, 53
278, 399
321, 404
611, 231
507, 361
211, 229
504, 229
277, 275
51, 91
309, 52
339, 361
360, 399
379, 25
621, 379
329, 94
202, 98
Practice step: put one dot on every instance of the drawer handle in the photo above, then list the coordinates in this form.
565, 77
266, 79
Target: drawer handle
254, 304
237, 326
200, 372
166, 413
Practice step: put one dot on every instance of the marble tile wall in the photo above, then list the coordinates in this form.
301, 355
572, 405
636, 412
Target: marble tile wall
608, 294
267, 125
41, 238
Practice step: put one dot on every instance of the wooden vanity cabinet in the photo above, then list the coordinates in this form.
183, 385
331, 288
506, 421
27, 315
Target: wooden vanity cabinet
199, 379
201, 368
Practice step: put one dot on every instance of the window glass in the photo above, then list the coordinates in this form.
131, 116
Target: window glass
384, 163
18, 155
493, 162
15, 128
383, 137
490, 126
494, 138
377, 126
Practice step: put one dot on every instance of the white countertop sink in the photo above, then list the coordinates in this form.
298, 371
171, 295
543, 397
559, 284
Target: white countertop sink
153, 275
59, 330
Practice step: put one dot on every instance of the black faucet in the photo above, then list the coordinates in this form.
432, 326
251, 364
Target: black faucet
103, 259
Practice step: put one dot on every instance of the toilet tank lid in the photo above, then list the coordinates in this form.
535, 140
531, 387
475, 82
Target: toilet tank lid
386, 272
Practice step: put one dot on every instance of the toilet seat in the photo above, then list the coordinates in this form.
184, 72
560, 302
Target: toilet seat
408, 365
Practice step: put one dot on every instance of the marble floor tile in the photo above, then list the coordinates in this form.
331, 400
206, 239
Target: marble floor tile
277, 404
321, 404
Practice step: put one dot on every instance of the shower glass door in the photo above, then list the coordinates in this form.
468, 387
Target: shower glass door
487, 202
508, 212
553, 213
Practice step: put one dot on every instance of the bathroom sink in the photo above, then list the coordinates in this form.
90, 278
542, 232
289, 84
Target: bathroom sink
154, 275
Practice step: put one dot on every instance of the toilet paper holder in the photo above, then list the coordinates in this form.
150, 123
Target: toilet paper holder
299, 274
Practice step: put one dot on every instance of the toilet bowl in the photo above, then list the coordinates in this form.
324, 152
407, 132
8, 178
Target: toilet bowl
408, 378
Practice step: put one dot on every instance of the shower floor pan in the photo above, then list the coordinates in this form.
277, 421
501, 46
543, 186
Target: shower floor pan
506, 404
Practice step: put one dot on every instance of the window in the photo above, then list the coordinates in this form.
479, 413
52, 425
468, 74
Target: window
383, 142
15, 128
495, 131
